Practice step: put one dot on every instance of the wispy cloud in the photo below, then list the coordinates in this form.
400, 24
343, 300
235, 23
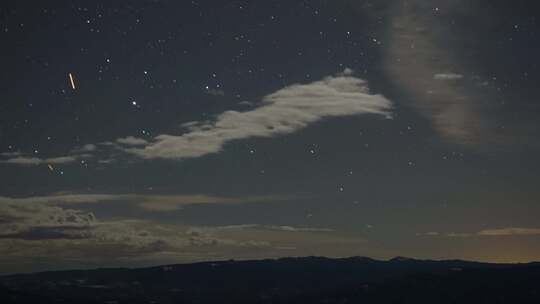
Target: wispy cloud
260, 227
508, 231
431, 233
77, 153
149, 202
215, 92
283, 112
10, 154
459, 234
85, 148
62, 199
34, 161
430, 72
447, 76
165, 203
132, 141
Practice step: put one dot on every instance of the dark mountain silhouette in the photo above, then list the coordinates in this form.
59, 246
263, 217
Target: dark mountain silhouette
287, 280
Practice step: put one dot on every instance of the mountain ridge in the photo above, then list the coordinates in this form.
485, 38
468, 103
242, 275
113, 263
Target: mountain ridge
353, 258
284, 280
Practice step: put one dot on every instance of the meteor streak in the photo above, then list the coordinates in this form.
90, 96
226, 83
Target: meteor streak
72, 81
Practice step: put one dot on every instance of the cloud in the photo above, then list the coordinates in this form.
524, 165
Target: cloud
34, 161
35, 221
89, 147
85, 148
62, 199
431, 233
48, 217
509, 231
259, 227
215, 92
346, 72
10, 154
459, 234
36, 229
413, 57
448, 76
106, 161
299, 229
165, 203
155, 203
132, 141
44, 226
283, 112
246, 103
46, 233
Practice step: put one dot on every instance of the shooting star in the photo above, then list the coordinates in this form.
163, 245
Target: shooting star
72, 81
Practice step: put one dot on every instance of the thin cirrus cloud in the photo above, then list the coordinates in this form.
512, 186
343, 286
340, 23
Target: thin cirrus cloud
62, 199
165, 203
18, 158
432, 73
260, 227
86, 148
447, 76
10, 154
132, 141
149, 202
508, 231
283, 112
34, 161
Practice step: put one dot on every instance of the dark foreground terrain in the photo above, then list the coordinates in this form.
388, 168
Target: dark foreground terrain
290, 280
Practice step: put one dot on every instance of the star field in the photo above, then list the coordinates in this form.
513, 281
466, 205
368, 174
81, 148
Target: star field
150, 132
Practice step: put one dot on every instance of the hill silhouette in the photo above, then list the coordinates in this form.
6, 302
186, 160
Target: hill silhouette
286, 280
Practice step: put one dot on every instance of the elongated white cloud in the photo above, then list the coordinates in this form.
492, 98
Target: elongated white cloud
283, 112
447, 76
10, 154
132, 141
34, 161
507, 231
259, 227
510, 231
155, 203
166, 203
85, 148
62, 199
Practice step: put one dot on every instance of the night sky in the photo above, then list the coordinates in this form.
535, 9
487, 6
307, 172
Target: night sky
211, 130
